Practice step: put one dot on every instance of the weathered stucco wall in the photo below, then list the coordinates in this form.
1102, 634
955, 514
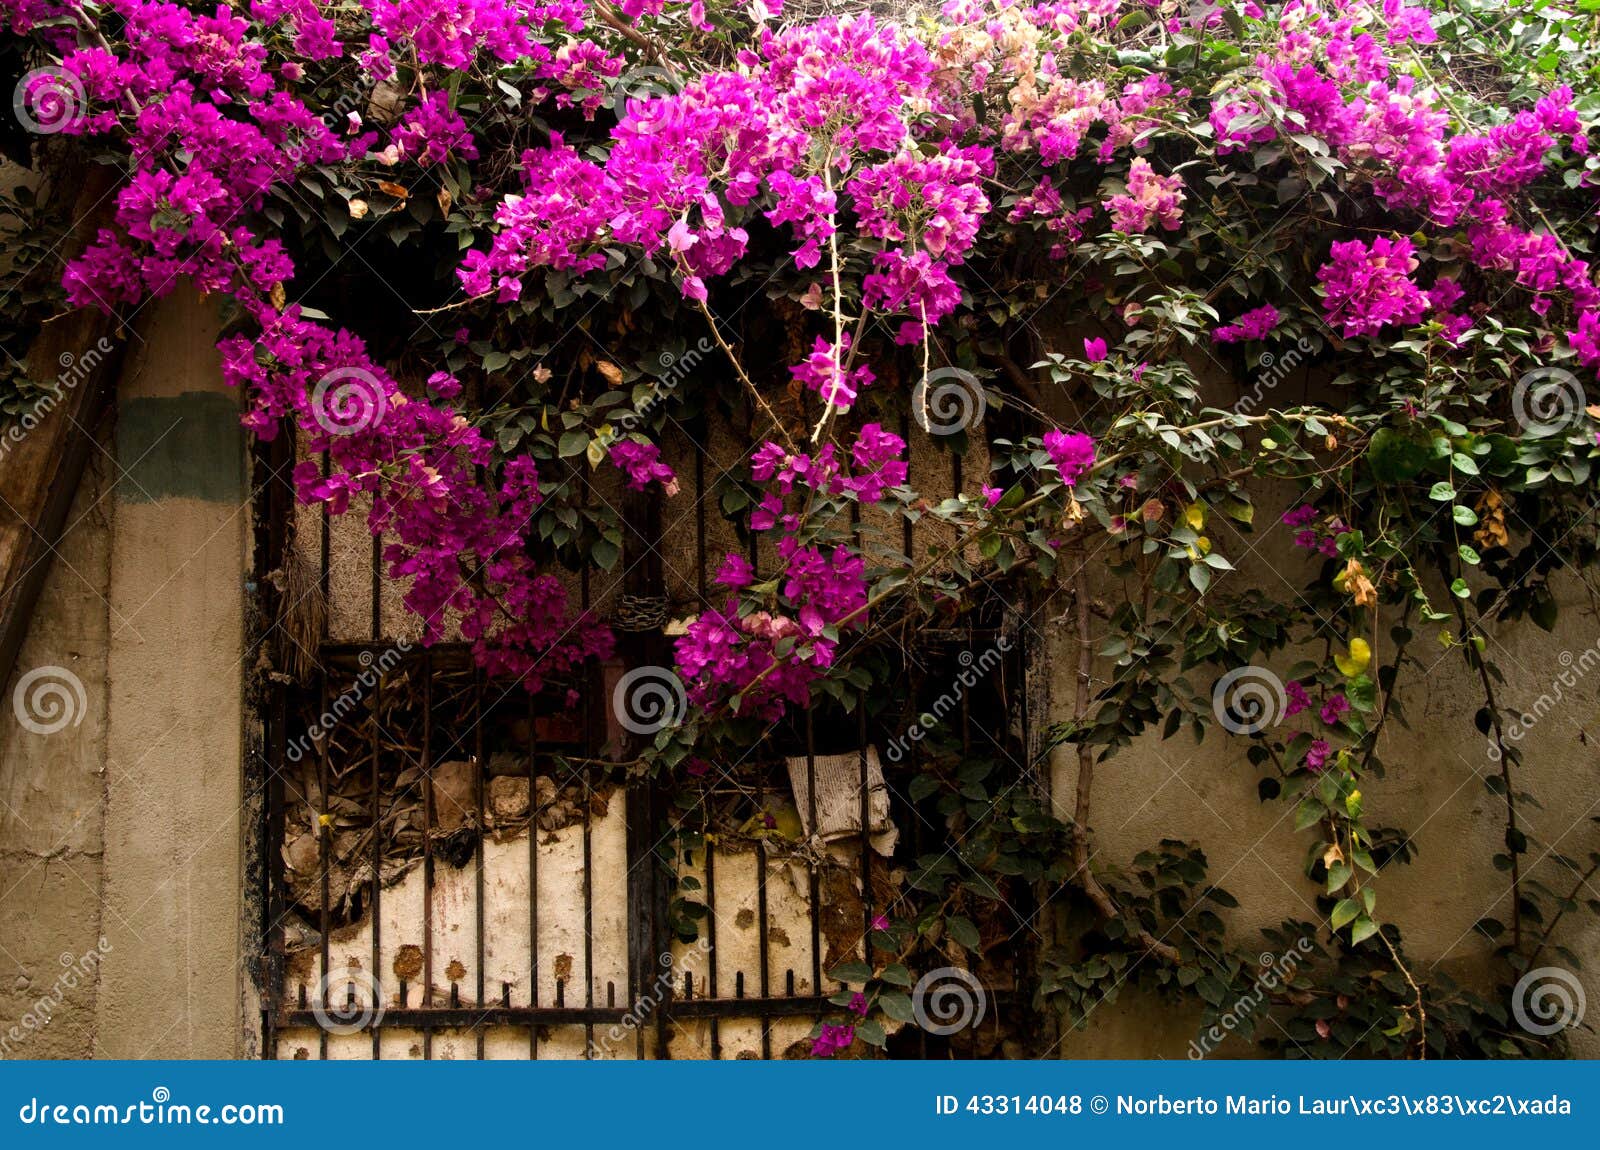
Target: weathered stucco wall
1434, 789
120, 836
52, 799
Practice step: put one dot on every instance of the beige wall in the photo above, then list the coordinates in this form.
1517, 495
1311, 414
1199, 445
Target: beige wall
121, 835
1434, 790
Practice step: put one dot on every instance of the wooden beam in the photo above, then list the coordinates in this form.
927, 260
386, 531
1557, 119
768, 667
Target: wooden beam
42, 460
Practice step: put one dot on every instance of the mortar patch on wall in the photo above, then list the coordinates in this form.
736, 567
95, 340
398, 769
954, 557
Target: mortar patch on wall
186, 446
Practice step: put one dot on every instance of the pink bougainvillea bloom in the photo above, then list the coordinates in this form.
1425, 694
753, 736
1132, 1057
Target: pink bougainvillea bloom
1071, 452
1369, 287
642, 464
1317, 756
1094, 350
991, 495
1335, 709
735, 572
1150, 199
832, 1039
1254, 324
1298, 699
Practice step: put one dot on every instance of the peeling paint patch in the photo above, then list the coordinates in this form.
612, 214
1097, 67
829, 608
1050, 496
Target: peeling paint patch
187, 446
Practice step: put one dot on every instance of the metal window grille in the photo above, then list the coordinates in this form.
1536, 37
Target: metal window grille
453, 849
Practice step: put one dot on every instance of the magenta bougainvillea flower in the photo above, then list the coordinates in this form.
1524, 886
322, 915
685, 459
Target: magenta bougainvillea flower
1072, 453
1254, 324
1369, 286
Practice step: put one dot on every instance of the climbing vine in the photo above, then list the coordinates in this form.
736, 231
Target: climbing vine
1135, 265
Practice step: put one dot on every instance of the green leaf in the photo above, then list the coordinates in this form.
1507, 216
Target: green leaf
1345, 910
851, 972
605, 554
1364, 929
572, 443
1396, 456
1338, 875
896, 973
896, 1005
962, 930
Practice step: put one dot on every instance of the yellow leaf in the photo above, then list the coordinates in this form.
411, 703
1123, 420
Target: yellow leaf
393, 189
1352, 804
1195, 515
1355, 661
611, 371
